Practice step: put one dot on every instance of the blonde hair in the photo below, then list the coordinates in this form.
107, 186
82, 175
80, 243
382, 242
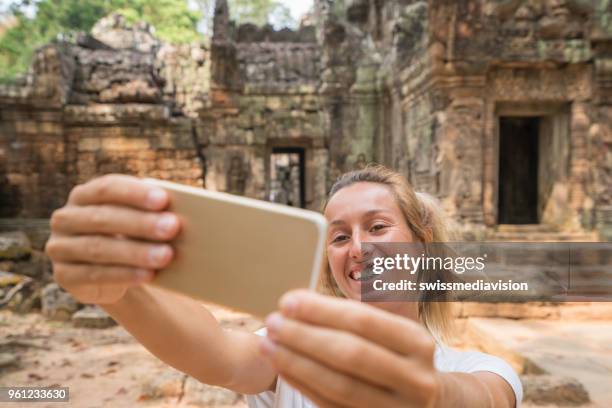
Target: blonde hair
426, 220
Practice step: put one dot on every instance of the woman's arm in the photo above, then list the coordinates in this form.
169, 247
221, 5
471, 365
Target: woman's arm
480, 389
184, 334
344, 353
105, 245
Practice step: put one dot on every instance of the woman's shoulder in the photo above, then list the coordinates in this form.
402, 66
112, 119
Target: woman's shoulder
448, 359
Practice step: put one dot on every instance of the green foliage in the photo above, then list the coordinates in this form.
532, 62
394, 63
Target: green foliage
261, 12
258, 12
173, 21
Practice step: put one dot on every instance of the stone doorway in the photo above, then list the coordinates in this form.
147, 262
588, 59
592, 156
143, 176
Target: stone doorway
527, 164
287, 176
518, 170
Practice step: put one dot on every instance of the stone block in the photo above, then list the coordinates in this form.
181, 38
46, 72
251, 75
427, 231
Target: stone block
38, 266
9, 279
553, 390
182, 139
533, 310
14, 246
27, 127
274, 103
89, 145
310, 103
8, 359
50, 116
164, 140
123, 144
168, 384
57, 304
307, 88
50, 128
166, 164
27, 298
92, 317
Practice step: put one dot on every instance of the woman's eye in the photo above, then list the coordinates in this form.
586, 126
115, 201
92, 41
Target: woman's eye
377, 227
340, 238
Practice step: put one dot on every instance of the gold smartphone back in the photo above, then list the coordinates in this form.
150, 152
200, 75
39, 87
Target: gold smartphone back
240, 252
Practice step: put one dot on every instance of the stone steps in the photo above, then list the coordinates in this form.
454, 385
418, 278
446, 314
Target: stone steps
536, 310
538, 233
546, 237
37, 229
522, 228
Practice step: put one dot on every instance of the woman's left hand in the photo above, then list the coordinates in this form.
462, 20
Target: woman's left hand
341, 352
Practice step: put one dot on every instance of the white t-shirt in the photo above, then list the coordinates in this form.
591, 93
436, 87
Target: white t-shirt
446, 359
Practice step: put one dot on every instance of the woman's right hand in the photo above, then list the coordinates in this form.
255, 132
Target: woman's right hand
112, 234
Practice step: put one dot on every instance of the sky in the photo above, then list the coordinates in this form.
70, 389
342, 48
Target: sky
297, 7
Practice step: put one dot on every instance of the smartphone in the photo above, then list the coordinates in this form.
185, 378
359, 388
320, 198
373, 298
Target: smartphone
240, 252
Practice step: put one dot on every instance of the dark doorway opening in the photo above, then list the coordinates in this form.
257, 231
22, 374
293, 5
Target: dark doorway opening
518, 170
287, 176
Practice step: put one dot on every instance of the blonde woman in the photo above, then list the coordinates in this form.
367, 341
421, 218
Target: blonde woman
317, 350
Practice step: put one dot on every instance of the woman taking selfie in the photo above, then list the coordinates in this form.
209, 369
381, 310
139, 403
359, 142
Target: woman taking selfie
317, 350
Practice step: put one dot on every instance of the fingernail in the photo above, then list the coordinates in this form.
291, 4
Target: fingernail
274, 322
143, 275
158, 254
165, 224
288, 304
267, 346
156, 198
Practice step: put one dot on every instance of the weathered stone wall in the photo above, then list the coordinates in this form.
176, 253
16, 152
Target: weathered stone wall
264, 96
445, 72
32, 151
33, 176
88, 109
134, 139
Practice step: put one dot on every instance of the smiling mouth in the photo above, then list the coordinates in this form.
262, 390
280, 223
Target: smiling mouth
362, 274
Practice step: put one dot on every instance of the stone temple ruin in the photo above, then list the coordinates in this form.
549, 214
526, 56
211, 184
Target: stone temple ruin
501, 108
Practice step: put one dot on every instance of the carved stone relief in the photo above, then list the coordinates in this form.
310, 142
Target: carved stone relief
548, 19
236, 176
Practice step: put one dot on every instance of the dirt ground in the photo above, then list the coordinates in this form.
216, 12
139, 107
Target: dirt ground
105, 367
102, 367
108, 368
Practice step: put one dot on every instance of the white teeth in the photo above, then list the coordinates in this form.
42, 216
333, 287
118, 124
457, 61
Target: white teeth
356, 275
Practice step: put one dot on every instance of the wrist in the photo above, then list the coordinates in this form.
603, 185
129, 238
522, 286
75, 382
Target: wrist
124, 301
440, 400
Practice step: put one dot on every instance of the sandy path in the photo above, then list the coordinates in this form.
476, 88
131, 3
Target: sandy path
102, 367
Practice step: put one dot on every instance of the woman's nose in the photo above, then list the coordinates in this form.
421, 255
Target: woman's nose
355, 248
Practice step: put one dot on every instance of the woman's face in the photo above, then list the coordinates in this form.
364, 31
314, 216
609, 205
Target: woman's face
362, 212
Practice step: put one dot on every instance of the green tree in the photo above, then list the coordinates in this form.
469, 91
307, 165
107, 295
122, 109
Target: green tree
258, 12
261, 12
172, 19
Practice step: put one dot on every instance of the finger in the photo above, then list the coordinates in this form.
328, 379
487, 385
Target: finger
121, 190
106, 219
108, 251
74, 275
308, 392
350, 354
391, 331
325, 382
